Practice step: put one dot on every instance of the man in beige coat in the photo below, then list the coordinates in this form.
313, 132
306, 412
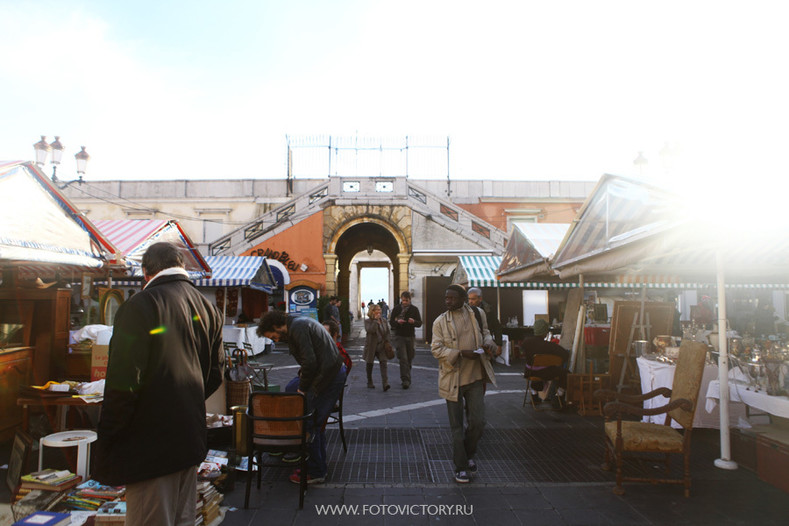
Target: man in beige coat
464, 348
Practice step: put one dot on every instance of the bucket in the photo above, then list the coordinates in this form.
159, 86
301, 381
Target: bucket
640, 347
240, 429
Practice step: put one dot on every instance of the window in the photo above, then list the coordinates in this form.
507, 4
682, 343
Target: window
350, 186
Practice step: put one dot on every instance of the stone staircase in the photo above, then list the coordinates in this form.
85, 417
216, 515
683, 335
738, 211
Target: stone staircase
352, 191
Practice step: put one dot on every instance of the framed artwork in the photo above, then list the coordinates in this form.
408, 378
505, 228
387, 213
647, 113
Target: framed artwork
20, 456
87, 283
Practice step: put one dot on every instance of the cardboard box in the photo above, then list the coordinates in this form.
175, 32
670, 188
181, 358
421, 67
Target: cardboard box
98, 362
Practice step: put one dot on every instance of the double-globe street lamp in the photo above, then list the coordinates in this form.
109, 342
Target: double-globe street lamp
42, 149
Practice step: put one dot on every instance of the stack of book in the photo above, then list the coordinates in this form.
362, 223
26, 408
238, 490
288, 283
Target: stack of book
50, 480
208, 500
90, 495
45, 518
111, 514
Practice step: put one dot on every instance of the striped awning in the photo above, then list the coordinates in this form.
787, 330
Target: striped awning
134, 236
43, 234
480, 271
239, 271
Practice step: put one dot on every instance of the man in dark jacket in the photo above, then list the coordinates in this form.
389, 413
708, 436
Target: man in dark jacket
405, 318
537, 344
494, 326
165, 359
322, 377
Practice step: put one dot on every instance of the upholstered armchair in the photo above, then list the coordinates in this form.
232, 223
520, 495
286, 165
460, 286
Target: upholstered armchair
628, 436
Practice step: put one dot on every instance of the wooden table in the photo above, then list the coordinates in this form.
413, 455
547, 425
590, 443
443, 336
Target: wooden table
55, 407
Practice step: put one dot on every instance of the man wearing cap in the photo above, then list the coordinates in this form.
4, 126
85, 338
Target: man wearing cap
537, 344
464, 348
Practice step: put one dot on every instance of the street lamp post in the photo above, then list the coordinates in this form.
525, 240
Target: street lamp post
42, 149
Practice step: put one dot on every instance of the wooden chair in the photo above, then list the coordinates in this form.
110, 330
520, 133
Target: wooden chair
335, 417
540, 360
229, 348
276, 425
623, 436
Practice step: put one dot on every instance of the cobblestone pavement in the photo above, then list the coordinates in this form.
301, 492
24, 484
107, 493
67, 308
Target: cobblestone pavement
535, 467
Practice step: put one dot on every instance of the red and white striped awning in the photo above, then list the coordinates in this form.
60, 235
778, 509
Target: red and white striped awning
134, 236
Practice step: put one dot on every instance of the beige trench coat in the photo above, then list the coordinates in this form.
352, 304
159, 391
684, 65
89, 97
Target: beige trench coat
445, 348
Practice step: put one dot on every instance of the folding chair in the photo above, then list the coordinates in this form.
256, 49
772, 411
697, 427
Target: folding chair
276, 425
335, 417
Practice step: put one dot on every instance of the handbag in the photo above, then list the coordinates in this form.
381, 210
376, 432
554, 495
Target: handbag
388, 350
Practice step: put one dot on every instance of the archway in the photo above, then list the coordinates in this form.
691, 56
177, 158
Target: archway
365, 236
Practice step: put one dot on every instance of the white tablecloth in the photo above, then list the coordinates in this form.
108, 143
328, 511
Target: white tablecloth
241, 335
659, 374
739, 392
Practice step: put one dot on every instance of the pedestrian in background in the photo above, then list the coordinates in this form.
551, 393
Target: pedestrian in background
377, 333
405, 318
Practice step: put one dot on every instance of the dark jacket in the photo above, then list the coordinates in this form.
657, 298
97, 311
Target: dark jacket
532, 345
405, 329
313, 348
165, 359
494, 325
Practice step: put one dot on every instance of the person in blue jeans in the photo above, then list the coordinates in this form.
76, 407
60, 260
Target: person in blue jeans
321, 380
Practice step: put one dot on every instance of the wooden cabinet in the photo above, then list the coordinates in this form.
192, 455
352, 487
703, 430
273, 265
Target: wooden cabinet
45, 315
15, 365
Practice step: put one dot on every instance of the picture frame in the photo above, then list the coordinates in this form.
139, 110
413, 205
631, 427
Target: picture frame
19, 459
87, 284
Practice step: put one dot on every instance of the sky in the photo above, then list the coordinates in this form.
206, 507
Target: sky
525, 90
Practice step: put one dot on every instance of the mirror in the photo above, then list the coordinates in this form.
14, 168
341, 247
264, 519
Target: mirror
109, 303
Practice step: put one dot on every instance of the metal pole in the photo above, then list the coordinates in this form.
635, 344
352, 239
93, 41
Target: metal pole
725, 462
449, 190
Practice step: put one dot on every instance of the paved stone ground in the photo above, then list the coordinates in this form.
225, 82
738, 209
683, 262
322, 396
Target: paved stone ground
535, 467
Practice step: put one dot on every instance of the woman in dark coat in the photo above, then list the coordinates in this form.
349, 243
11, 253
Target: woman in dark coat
377, 333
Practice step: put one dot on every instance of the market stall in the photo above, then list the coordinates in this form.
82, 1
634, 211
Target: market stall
633, 231
45, 243
244, 279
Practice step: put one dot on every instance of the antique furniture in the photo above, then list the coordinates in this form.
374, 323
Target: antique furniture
624, 436
276, 425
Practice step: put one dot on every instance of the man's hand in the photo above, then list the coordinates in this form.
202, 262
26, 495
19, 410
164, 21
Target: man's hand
470, 355
400, 321
411, 321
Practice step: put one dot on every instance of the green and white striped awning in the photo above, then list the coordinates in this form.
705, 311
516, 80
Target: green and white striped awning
480, 271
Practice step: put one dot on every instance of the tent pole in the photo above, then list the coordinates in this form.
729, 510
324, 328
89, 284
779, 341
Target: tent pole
725, 462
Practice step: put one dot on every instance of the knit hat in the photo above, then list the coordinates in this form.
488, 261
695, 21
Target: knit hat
541, 328
460, 290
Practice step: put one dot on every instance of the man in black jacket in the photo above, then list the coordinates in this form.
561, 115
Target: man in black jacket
165, 359
322, 377
405, 318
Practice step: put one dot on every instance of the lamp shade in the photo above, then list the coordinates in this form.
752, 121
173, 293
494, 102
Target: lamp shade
42, 149
57, 150
82, 158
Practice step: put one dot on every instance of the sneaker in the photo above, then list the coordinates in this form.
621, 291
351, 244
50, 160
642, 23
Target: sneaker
275, 454
291, 457
406, 384
461, 477
296, 479
386, 387
472, 466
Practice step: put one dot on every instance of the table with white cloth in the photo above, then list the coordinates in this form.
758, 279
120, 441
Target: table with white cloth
655, 374
740, 393
242, 335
